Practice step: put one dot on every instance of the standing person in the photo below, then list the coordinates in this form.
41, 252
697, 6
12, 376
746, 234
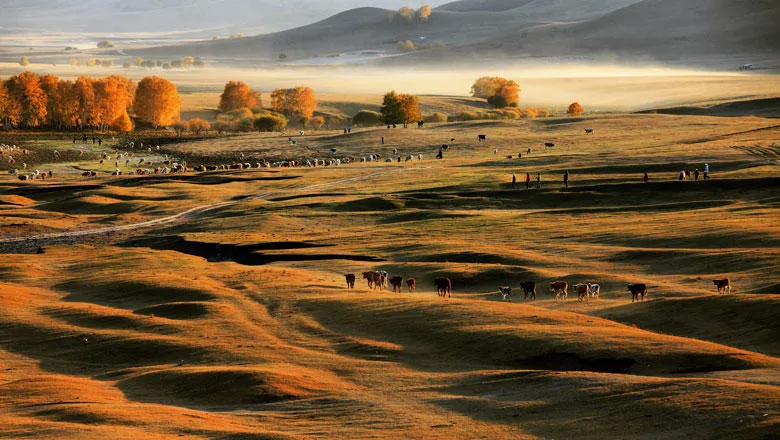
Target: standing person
514, 181
527, 180
682, 175
696, 175
706, 171
383, 140
566, 178
538, 180
646, 177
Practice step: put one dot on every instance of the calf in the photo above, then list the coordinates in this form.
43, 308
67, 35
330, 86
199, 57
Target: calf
723, 285
590, 131
411, 284
443, 286
559, 289
582, 292
549, 145
638, 291
529, 290
350, 280
506, 293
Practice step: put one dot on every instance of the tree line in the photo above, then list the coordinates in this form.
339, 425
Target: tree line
28, 100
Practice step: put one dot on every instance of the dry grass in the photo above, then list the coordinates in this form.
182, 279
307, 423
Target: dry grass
249, 298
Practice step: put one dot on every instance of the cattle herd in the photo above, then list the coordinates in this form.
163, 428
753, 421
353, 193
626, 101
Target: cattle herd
378, 279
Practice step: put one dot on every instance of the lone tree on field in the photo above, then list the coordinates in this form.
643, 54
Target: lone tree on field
237, 95
575, 109
400, 108
296, 103
499, 92
405, 46
105, 44
24, 61
180, 127
157, 101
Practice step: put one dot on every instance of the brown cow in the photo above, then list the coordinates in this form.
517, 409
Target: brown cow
529, 289
375, 279
559, 289
582, 292
350, 280
443, 286
411, 284
638, 291
723, 285
396, 282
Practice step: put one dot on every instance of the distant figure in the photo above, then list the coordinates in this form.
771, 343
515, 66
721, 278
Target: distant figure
383, 140
100, 141
682, 175
538, 180
706, 171
349, 129
566, 178
74, 140
514, 181
527, 180
696, 175
440, 155
646, 178
495, 151
528, 152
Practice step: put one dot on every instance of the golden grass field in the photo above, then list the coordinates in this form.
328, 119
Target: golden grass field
235, 323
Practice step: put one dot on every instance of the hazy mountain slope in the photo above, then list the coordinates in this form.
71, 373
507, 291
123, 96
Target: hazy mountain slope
482, 5
173, 15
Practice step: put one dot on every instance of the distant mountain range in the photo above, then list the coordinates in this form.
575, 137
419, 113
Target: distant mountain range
714, 33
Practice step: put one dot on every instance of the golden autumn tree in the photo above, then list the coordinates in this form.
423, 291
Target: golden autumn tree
114, 96
424, 13
5, 106
237, 95
296, 103
575, 109
67, 104
122, 124
50, 86
157, 101
197, 125
410, 108
506, 94
484, 87
26, 92
85, 97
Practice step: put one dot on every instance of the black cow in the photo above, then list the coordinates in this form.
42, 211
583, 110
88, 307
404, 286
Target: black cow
638, 291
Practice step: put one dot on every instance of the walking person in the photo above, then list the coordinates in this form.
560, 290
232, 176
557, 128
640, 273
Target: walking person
538, 180
527, 180
696, 175
706, 171
645, 178
383, 140
514, 181
566, 178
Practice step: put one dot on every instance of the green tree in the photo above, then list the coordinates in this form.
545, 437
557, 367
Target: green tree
392, 109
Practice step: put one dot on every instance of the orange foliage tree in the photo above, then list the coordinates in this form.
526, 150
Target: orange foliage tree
85, 96
198, 125
5, 107
575, 109
113, 98
410, 108
499, 92
157, 101
29, 99
237, 95
294, 103
122, 124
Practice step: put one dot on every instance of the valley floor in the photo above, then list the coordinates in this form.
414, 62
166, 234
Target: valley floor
234, 322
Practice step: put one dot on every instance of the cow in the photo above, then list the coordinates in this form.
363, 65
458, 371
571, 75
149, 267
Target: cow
443, 286
582, 292
374, 279
549, 145
384, 277
590, 131
396, 282
350, 280
594, 290
506, 293
411, 284
723, 285
445, 147
481, 138
529, 290
559, 289
638, 291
